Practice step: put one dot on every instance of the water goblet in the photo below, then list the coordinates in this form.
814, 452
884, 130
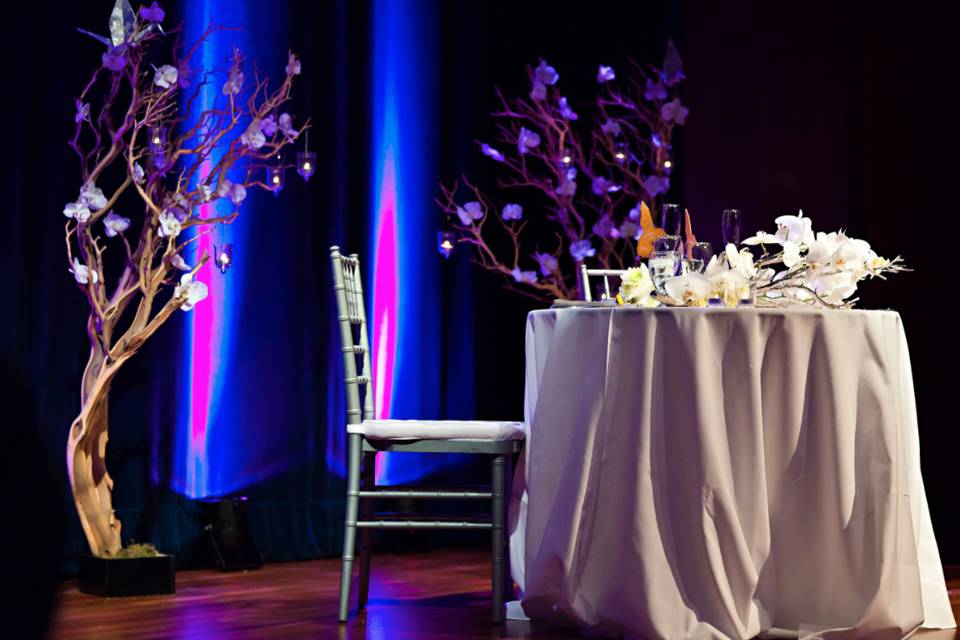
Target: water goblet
663, 266
666, 244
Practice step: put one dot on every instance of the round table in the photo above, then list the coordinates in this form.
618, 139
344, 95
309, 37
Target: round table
722, 473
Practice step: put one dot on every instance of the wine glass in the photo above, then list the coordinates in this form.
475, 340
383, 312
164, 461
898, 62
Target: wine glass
730, 225
670, 219
699, 258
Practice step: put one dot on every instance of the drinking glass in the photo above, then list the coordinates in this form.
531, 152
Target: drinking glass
666, 244
699, 258
730, 225
663, 266
671, 219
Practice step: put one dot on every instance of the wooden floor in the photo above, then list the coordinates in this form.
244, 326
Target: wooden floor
443, 594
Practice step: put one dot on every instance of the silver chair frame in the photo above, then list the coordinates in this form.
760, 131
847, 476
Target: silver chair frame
586, 274
361, 483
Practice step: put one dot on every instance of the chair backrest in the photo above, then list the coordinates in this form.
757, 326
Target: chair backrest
606, 274
352, 318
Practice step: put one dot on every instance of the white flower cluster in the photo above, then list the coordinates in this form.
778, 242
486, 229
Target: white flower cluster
797, 266
817, 266
90, 201
636, 287
190, 291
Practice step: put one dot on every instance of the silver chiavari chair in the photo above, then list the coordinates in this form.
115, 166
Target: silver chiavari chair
606, 274
367, 436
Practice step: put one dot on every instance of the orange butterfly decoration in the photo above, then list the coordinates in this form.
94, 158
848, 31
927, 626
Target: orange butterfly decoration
691, 239
650, 232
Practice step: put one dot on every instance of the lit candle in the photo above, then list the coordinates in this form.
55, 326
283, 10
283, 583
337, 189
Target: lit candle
224, 256
446, 241
275, 179
306, 164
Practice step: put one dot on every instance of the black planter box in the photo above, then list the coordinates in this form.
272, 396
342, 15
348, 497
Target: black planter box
115, 577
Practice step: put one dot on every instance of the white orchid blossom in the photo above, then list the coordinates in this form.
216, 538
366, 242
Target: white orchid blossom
524, 277
77, 210
169, 225
795, 228
762, 237
166, 76
740, 261
93, 197
83, 274
115, 224
689, 289
253, 137
177, 262
190, 291
791, 254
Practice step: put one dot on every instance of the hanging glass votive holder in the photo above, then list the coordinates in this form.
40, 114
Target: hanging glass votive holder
446, 241
157, 145
621, 152
223, 256
306, 164
275, 178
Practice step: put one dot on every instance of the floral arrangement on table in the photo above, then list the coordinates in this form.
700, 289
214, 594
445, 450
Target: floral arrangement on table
578, 171
796, 266
148, 162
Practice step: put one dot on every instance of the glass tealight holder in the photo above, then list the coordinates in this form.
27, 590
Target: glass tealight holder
156, 146
621, 153
275, 179
446, 241
306, 164
223, 256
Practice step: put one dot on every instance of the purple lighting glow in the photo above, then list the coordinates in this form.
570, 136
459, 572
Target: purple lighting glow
384, 323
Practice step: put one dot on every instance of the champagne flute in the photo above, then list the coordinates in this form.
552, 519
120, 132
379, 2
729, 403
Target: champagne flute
730, 225
671, 219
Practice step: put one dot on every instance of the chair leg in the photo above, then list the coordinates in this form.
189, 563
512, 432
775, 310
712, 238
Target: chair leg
508, 592
499, 518
350, 523
367, 481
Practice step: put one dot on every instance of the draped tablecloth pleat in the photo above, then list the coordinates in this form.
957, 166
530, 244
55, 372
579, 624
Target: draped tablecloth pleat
715, 473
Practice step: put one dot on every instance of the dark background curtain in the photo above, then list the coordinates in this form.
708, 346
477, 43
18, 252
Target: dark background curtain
843, 110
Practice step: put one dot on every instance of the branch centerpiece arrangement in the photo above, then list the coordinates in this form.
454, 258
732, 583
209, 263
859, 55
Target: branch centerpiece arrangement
151, 156
573, 177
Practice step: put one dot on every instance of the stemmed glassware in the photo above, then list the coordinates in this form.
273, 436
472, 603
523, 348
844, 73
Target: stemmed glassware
671, 219
664, 262
699, 257
730, 226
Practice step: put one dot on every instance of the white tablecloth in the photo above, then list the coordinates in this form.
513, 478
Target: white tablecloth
715, 473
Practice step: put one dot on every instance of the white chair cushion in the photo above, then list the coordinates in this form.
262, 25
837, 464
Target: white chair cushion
438, 430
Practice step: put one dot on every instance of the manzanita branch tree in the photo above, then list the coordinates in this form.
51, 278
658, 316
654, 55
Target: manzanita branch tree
149, 157
579, 181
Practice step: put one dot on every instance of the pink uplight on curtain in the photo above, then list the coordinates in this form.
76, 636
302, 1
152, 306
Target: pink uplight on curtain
385, 287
